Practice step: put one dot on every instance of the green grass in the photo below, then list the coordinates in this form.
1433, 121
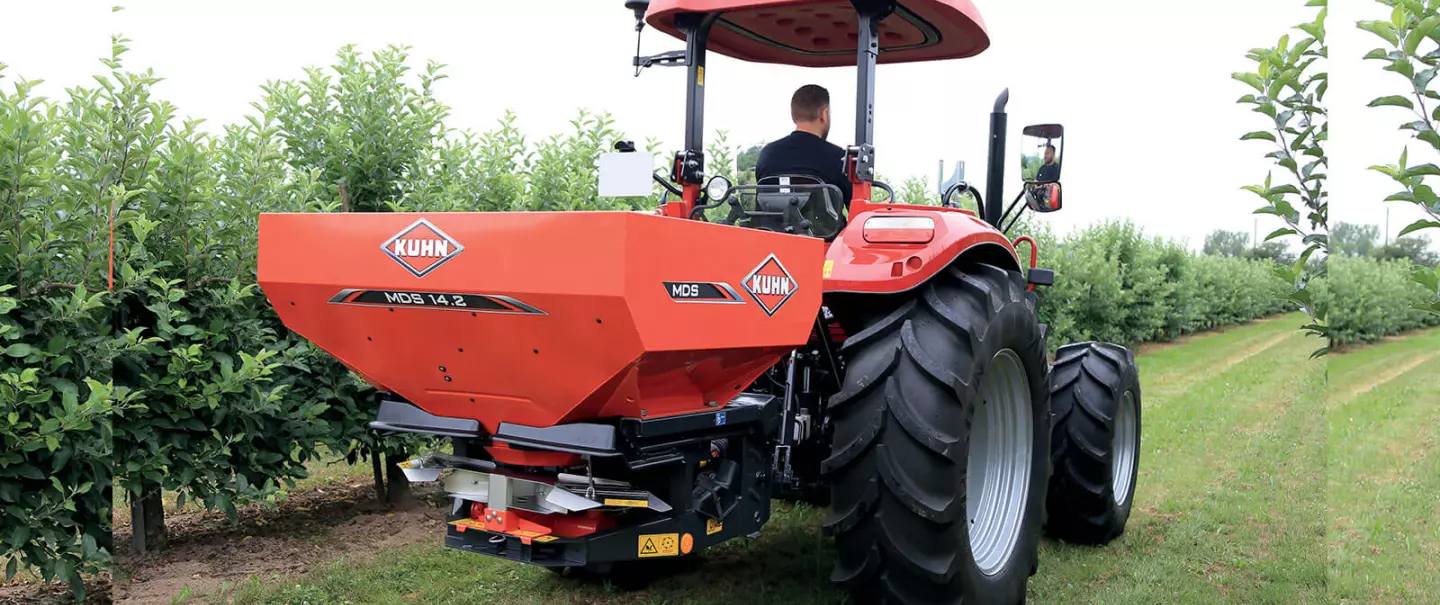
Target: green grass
1228, 509
1383, 474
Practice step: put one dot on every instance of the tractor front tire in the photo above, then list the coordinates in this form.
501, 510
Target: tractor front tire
941, 447
1095, 401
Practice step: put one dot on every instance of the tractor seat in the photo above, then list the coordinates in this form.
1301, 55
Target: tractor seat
820, 207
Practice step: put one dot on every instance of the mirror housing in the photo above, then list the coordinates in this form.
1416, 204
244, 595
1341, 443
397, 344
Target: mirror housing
1042, 197
1041, 151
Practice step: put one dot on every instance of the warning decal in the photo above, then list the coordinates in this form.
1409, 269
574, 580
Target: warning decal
713, 526
659, 545
461, 524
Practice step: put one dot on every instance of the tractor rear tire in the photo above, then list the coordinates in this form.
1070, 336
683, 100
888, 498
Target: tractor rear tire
961, 355
1095, 402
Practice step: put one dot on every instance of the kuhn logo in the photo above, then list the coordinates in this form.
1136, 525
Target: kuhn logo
770, 285
421, 247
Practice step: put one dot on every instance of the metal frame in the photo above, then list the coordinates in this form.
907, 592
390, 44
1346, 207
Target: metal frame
869, 14
696, 27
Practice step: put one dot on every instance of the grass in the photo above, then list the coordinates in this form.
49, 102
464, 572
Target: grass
1382, 473
1229, 509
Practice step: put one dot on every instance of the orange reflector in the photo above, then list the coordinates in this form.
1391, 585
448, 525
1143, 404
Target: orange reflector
899, 229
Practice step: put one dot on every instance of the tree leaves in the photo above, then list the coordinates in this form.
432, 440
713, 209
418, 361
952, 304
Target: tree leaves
19, 349
1411, 24
1420, 33
1392, 101
1418, 225
1384, 29
1254, 80
1299, 68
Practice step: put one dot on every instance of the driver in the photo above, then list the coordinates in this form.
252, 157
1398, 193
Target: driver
805, 151
1049, 171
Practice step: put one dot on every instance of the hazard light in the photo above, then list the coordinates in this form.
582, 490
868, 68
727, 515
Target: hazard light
899, 229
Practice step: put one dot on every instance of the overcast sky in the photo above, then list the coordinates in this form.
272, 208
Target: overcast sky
1142, 86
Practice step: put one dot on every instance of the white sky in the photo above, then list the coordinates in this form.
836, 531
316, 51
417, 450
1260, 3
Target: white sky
1120, 74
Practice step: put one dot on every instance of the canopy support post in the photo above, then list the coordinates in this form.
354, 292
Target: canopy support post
869, 14
689, 167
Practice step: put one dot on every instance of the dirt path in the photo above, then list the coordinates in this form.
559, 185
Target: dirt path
208, 557
1261, 348
1147, 348
1388, 376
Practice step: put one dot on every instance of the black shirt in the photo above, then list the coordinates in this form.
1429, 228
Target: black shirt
1048, 173
802, 153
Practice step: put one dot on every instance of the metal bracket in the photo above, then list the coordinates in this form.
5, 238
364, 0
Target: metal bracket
665, 59
862, 158
689, 167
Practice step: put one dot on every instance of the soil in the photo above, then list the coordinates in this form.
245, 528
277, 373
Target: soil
207, 554
24, 592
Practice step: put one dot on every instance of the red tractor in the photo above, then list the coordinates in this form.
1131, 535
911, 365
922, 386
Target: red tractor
624, 387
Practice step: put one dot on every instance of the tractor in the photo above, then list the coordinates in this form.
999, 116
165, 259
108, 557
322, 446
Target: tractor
624, 388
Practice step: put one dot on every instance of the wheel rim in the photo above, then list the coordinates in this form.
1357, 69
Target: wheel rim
1123, 447
997, 483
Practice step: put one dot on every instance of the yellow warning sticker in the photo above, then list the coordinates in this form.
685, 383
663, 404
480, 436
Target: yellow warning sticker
624, 502
525, 533
829, 268
544, 538
713, 526
659, 545
461, 524
700, 76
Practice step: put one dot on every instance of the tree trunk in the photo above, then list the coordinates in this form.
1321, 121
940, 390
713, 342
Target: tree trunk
106, 537
375, 465
397, 489
147, 520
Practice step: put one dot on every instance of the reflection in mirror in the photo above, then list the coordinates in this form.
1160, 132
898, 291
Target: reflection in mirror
1042, 197
1040, 152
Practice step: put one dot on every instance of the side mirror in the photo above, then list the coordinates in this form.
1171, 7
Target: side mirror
1041, 149
1042, 197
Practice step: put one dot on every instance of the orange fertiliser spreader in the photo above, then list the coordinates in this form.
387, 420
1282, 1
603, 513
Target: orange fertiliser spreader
624, 387
541, 318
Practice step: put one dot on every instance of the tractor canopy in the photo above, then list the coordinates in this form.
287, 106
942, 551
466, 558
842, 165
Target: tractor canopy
823, 33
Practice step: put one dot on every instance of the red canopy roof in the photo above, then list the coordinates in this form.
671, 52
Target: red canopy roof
822, 33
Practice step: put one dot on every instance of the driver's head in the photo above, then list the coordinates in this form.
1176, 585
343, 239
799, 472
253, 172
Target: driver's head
810, 109
1049, 154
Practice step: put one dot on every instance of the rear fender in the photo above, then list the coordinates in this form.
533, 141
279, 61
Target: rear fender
853, 265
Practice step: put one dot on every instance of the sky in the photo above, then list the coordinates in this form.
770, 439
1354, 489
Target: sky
1143, 87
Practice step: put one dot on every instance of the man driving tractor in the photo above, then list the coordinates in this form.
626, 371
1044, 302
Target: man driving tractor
1049, 171
805, 151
